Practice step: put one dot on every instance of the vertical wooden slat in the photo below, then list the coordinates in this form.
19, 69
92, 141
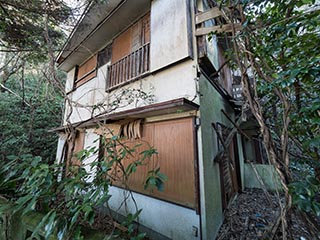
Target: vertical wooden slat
134, 64
175, 144
118, 74
137, 63
127, 68
130, 67
121, 71
142, 59
148, 56
123, 79
109, 76
113, 75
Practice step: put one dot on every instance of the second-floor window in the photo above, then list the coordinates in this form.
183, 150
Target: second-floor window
86, 71
130, 54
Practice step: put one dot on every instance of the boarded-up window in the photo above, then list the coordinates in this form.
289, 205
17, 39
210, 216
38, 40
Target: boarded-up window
146, 29
132, 39
86, 71
130, 54
174, 142
121, 46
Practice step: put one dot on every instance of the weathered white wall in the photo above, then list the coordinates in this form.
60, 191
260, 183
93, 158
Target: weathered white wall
86, 96
169, 32
171, 83
172, 221
70, 80
266, 173
91, 140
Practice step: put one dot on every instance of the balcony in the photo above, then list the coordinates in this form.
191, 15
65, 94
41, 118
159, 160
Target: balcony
129, 68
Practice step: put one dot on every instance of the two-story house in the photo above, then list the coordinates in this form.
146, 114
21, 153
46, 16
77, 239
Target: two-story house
180, 95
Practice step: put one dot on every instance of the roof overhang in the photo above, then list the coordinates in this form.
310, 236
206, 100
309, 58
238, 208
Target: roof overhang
179, 105
100, 23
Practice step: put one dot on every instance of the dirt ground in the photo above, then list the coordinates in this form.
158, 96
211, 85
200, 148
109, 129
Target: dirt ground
253, 215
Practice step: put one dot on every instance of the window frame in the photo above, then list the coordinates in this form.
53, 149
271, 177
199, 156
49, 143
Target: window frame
88, 75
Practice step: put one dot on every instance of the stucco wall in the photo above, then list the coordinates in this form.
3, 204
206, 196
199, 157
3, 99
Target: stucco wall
170, 220
211, 103
171, 83
266, 173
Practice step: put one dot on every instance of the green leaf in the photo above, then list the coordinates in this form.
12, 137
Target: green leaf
42, 223
49, 227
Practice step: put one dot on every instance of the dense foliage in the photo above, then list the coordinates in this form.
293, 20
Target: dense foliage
28, 115
285, 44
278, 54
71, 202
22, 24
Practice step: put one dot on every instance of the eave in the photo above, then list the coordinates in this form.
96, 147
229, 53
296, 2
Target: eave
98, 26
179, 105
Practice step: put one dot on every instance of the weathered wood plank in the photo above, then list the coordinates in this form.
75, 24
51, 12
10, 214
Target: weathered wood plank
217, 29
210, 14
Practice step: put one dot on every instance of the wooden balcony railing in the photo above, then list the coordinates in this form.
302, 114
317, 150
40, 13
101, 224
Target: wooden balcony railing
132, 66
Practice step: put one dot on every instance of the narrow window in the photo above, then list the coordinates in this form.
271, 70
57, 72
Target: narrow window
86, 71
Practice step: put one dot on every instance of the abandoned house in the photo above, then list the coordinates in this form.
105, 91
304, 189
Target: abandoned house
181, 101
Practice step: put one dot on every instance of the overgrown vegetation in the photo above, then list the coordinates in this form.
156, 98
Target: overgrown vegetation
277, 54
27, 114
72, 201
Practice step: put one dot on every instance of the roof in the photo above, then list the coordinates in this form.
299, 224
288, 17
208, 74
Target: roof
99, 24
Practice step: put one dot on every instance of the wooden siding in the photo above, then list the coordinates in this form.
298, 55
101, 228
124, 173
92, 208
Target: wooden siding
130, 53
175, 143
121, 45
86, 71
